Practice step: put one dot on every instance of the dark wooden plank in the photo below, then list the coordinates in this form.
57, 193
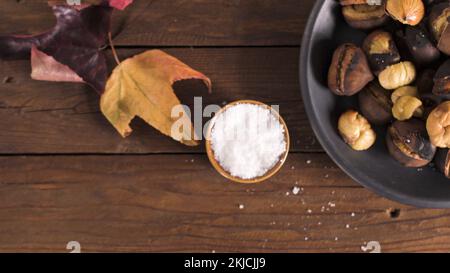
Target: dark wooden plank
178, 203
179, 22
43, 117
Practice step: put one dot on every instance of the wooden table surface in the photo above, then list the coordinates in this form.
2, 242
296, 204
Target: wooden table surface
66, 175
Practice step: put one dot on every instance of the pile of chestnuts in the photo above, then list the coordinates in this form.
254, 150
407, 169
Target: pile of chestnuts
401, 76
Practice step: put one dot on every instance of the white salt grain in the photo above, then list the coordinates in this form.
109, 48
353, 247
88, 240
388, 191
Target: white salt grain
247, 140
295, 190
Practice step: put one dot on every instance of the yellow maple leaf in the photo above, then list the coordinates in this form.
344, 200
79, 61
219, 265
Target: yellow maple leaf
142, 86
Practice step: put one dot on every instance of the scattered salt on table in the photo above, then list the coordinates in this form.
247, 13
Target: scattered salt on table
296, 190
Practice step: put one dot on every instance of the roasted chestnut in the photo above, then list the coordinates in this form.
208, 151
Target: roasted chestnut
438, 125
420, 45
439, 21
365, 16
408, 12
356, 131
425, 84
442, 161
375, 104
349, 71
397, 75
381, 50
400, 41
406, 107
430, 2
442, 80
408, 143
404, 91
425, 81
430, 101
406, 103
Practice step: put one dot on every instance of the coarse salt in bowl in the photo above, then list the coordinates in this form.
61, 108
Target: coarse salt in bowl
247, 141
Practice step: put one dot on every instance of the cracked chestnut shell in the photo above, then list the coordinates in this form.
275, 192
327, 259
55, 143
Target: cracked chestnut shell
364, 16
442, 80
349, 71
408, 12
375, 104
442, 161
408, 143
420, 46
438, 24
380, 50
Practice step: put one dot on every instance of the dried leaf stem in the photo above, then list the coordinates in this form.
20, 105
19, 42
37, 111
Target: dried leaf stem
116, 57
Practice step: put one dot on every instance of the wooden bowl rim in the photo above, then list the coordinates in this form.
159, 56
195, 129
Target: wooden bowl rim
217, 165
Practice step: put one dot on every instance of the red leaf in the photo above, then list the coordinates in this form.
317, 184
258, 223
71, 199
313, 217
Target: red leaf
75, 41
46, 68
117, 4
120, 4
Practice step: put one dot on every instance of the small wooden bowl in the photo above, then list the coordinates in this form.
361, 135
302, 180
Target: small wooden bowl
217, 165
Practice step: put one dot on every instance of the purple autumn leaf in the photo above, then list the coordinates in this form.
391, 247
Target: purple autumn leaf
75, 42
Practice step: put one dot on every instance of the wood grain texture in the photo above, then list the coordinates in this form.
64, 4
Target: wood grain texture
44, 117
179, 203
181, 22
67, 175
